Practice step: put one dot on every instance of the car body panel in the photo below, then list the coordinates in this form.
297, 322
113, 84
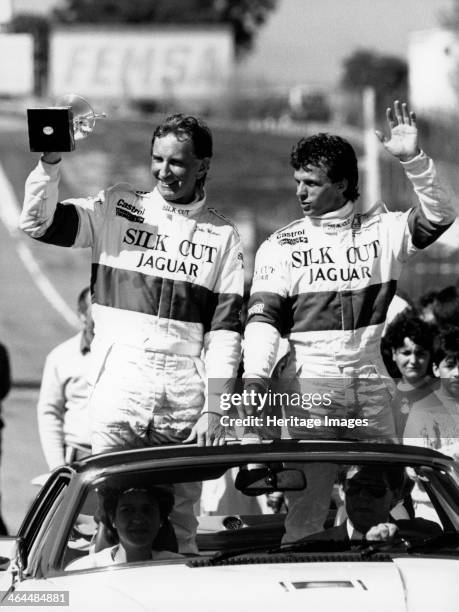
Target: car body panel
361, 587
251, 582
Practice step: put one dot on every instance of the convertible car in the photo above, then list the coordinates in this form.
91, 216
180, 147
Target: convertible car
243, 562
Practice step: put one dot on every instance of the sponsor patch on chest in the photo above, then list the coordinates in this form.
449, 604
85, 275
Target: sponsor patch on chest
129, 211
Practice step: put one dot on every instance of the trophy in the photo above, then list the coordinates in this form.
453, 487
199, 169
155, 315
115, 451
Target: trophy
57, 127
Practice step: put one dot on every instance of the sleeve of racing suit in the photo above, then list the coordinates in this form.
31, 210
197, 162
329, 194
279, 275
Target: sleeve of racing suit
50, 413
68, 223
435, 213
222, 343
268, 311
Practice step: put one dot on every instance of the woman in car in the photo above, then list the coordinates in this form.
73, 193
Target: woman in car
135, 516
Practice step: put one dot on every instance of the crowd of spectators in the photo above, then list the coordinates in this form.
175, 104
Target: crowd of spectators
421, 352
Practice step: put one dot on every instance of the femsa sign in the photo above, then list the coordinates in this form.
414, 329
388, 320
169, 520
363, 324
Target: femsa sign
140, 63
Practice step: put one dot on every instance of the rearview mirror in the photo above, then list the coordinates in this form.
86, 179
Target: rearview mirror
267, 479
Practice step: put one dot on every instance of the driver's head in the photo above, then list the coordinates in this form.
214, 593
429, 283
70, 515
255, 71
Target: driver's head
181, 149
370, 494
332, 154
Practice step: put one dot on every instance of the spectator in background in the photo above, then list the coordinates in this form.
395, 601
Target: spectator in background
446, 369
5, 386
63, 417
409, 340
426, 303
445, 307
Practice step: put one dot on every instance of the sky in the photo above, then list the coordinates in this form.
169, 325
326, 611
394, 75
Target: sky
305, 41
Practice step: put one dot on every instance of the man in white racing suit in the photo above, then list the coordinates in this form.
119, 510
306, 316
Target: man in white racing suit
167, 284
325, 282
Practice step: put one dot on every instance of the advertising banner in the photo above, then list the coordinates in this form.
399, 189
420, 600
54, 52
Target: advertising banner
141, 63
16, 73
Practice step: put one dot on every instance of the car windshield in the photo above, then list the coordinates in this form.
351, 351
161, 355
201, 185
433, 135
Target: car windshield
269, 507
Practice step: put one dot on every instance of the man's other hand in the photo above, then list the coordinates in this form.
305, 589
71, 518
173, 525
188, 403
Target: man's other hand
207, 431
253, 394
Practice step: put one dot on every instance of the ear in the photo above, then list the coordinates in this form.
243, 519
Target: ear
341, 185
203, 166
436, 370
393, 354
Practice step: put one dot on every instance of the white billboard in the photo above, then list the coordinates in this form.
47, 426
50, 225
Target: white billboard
433, 58
16, 67
6, 11
141, 63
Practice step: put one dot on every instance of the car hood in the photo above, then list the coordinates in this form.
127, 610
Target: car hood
405, 584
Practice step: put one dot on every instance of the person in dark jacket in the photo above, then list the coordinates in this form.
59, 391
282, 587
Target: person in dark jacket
370, 493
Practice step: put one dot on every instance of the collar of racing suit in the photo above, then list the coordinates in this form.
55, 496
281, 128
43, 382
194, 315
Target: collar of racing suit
339, 215
185, 210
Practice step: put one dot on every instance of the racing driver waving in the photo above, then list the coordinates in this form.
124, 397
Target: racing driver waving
325, 282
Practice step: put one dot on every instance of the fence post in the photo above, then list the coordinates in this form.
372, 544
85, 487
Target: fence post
371, 146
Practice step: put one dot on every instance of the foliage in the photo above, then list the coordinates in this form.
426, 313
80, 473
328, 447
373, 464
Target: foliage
38, 27
244, 16
388, 75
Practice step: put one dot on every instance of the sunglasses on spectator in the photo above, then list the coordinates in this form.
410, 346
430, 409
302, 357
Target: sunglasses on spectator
375, 490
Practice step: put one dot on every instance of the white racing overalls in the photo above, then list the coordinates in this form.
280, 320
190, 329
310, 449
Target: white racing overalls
167, 283
326, 283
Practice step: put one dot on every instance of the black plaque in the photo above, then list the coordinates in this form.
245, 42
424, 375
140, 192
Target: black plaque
51, 129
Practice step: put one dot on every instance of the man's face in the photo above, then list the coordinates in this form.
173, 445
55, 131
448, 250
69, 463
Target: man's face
176, 168
448, 371
316, 193
368, 498
412, 360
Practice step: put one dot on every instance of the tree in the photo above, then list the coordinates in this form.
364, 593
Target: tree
388, 75
244, 16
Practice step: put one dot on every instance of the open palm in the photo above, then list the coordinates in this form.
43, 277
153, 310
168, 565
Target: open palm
403, 139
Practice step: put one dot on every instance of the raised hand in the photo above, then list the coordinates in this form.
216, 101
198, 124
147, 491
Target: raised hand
403, 140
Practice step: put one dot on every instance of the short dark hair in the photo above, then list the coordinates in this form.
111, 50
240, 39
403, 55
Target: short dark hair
446, 307
187, 126
82, 305
161, 495
427, 298
409, 325
331, 153
446, 344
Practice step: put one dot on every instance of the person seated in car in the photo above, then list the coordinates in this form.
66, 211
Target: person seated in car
370, 492
136, 516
